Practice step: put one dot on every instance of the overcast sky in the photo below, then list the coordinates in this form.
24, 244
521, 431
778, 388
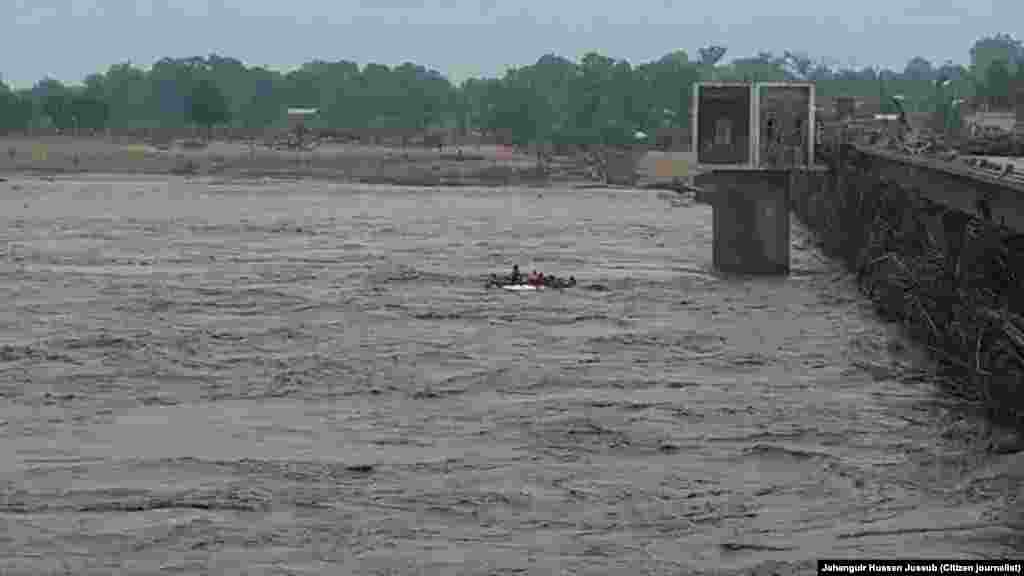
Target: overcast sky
68, 39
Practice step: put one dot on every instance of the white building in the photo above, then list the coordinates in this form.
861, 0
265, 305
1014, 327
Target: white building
298, 116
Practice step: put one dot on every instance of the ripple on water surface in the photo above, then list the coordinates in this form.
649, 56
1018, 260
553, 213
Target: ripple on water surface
313, 377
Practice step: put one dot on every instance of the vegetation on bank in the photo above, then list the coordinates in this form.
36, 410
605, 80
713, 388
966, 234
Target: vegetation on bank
596, 100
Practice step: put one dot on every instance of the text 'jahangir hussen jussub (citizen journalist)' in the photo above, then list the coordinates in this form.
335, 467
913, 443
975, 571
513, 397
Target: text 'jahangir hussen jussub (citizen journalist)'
918, 567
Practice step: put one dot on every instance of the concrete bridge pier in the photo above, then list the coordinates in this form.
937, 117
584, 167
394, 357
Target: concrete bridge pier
751, 229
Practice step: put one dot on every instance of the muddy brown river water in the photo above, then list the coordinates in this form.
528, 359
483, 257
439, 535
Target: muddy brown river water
310, 378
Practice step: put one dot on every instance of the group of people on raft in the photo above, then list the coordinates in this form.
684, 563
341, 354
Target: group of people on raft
534, 278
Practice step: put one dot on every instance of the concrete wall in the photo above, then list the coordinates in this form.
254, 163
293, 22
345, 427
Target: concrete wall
751, 221
950, 276
751, 230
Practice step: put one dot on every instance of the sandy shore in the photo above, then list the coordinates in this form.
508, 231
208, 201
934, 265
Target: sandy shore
478, 166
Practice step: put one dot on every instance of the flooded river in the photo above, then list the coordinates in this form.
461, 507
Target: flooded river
304, 378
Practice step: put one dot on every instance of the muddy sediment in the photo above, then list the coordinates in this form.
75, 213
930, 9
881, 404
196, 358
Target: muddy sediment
485, 166
309, 377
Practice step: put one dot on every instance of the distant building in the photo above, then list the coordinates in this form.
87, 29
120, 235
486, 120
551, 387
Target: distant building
297, 117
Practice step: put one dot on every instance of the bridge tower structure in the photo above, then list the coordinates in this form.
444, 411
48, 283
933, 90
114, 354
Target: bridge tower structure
749, 139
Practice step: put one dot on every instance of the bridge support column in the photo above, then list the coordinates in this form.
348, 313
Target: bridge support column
751, 222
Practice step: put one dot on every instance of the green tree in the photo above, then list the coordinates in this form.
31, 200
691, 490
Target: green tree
1017, 92
338, 85
128, 91
57, 109
261, 106
919, 69
762, 68
15, 110
711, 55
799, 62
997, 83
669, 83
590, 94
48, 103
88, 112
207, 105
171, 81
990, 49
597, 99
233, 79
473, 101
379, 97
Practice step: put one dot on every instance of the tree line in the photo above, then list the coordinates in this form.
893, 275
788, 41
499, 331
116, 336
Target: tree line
596, 100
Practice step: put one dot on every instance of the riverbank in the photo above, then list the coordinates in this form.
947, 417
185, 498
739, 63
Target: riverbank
472, 166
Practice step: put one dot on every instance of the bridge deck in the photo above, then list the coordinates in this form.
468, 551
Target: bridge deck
982, 193
1014, 180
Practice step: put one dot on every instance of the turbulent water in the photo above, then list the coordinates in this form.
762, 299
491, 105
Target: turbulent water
301, 378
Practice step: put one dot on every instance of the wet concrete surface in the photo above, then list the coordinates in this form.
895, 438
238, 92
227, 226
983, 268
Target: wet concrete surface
310, 378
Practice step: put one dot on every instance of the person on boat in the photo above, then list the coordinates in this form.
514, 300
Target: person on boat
555, 282
533, 278
567, 283
516, 276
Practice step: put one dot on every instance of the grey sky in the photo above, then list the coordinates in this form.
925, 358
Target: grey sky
67, 39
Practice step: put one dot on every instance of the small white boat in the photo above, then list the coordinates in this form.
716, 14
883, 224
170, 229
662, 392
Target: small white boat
521, 287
